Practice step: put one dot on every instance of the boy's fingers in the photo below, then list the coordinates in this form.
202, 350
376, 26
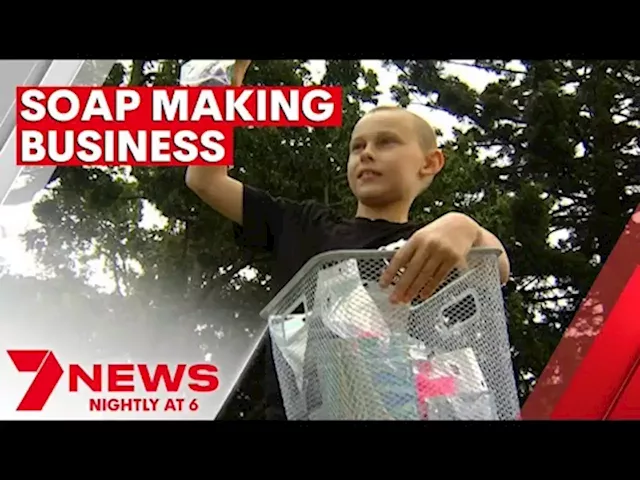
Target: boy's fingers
424, 280
438, 277
399, 259
408, 277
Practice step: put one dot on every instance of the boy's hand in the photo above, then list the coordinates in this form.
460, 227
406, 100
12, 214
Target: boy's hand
430, 255
239, 70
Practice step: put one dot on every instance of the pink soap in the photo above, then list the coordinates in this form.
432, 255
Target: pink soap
433, 387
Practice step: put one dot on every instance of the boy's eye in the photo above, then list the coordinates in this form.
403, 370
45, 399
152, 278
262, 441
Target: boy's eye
386, 140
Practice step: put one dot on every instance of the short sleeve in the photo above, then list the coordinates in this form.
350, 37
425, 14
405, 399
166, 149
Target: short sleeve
266, 219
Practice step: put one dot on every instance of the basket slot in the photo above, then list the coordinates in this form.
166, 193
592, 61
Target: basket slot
460, 310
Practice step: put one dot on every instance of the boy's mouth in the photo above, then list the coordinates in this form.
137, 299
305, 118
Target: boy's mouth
368, 174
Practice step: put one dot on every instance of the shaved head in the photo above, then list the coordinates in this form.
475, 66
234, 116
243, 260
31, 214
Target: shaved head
426, 134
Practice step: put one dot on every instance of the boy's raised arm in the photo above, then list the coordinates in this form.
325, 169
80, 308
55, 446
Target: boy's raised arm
217, 189
212, 184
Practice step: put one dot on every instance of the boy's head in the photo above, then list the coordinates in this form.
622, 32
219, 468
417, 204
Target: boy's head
393, 157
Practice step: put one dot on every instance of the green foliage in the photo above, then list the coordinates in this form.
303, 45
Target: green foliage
563, 158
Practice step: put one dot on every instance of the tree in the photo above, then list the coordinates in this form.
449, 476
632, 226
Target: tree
179, 284
562, 158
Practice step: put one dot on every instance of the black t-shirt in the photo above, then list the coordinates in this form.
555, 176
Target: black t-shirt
294, 232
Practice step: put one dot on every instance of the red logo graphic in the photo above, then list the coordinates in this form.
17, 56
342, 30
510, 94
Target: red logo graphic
201, 378
594, 373
48, 373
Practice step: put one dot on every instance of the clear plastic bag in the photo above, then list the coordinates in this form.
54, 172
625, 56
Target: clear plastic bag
206, 73
291, 340
342, 297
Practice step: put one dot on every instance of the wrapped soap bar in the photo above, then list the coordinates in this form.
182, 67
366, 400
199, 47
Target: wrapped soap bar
345, 304
393, 376
346, 380
451, 386
206, 73
465, 406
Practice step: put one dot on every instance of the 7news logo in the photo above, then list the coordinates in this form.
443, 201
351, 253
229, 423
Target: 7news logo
112, 379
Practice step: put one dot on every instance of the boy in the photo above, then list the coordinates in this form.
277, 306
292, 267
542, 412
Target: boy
393, 157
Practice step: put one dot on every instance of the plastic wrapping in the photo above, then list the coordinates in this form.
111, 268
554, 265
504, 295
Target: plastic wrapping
206, 73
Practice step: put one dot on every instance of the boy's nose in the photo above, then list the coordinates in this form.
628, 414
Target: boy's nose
366, 156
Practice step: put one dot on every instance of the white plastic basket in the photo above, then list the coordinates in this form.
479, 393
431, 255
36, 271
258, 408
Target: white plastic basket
343, 352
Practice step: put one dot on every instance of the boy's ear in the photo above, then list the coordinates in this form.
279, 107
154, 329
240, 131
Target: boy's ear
433, 162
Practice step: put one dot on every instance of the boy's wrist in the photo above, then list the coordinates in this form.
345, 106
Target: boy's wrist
468, 227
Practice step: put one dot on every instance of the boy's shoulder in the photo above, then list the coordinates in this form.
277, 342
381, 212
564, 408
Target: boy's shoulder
295, 209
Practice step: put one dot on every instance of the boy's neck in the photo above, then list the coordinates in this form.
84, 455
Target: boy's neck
391, 213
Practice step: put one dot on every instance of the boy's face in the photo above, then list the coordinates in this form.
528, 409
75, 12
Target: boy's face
386, 161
